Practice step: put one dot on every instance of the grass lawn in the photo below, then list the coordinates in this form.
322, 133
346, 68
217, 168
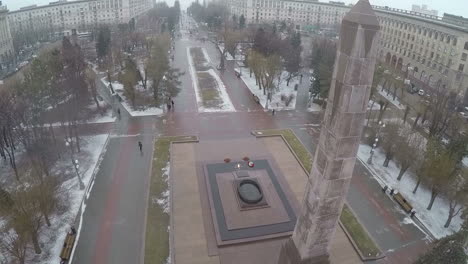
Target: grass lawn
304, 156
208, 90
199, 59
365, 244
157, 221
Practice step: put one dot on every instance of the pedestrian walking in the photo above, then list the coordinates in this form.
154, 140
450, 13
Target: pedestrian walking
168, 106
273, 112
140, 145
118, 112
172, 102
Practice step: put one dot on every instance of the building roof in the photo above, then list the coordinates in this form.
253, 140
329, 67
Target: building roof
408, 14
53, 4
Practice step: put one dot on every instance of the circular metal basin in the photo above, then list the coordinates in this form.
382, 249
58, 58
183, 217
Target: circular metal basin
250, 192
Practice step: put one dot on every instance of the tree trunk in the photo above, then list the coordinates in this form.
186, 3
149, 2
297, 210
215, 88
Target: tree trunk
402, 172
406, 114
417, 185
51, 129
433, 197
2, 154
370, 113
387, 160
96, 101
110, 82
46, 218
35, 241
77, 138
416, 120
450, 215
15, 169
424, 117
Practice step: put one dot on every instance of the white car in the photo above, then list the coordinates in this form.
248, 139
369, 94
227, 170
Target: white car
421, 92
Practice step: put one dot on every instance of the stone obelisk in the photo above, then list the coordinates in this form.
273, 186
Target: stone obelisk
339, 139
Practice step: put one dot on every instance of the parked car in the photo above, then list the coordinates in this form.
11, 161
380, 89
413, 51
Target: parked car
421, 92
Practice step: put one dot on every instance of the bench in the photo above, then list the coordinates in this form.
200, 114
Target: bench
403, 203
67, 247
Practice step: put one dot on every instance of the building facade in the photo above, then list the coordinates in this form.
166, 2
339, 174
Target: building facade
429, 50
6, 43
301, 13
457, 20
78, 15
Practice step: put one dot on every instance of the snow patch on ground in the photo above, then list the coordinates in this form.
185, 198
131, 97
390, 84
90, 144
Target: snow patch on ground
375, 105
106, 118
89, 161
465, 161
389, 97
229, 57
149, 111
282, 89
434, 219
207, 57
164, 200
227, 105
314, 108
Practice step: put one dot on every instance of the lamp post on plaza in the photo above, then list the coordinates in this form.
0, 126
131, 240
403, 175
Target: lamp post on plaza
376, 140
75, 163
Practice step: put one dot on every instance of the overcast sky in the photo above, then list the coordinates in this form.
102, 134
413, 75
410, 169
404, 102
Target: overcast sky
457, 7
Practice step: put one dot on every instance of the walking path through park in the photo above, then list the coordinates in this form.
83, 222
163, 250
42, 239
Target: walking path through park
112, 227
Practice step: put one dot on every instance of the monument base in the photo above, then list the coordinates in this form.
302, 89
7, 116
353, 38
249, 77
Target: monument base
290, 255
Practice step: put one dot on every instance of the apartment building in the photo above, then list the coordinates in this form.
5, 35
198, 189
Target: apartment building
432, 51
6, 43
429, 50
78, 15
298, 12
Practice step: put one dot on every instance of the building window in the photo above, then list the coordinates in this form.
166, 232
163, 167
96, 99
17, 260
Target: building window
464, 56
461, 67
466, 45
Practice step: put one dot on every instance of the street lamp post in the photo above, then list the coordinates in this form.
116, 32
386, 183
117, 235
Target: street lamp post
75, 163
381, 125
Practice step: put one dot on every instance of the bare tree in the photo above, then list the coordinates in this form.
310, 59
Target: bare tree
410, 147
254, 61
441, 111
271, 69
14, 245
231, 41
456, 193
165, 79
129, 79
45, 193
437, 168
7, 125
25, 216
390, 135
91, 79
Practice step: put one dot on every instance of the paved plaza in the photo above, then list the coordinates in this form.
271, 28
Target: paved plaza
112, 223
193, 229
